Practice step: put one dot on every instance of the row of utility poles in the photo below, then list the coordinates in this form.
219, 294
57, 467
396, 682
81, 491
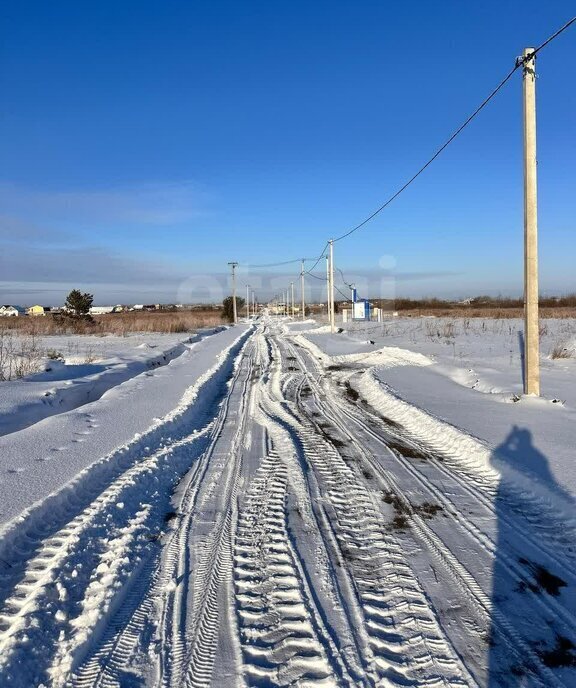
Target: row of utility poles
249, 296
531, 313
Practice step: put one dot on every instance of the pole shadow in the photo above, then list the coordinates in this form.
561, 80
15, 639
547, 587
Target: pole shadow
532, 639
522, 354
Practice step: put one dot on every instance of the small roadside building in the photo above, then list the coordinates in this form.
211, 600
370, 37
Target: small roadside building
38, 310
101, 310
11, 311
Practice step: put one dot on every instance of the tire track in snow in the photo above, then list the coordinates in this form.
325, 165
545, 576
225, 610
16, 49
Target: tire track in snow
564, 619
406, 646
63, 586
485, 542
192, 634
492, 617
168, 590
279, 640
554, 535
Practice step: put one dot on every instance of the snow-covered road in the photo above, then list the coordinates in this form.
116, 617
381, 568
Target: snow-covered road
284, 526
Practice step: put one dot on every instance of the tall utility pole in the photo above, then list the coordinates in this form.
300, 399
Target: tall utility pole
247, 302
352, 300
331, 284
302, 289
292, 292
234, 265
253, 304
328, 286
531, 319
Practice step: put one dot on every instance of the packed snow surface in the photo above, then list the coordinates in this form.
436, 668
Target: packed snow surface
278, 505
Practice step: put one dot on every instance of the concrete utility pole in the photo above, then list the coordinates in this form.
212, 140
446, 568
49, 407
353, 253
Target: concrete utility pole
352, 286
253, 304
328, 286
233, 265
331, 283
247, 302
292, 296
302, 289
531, 319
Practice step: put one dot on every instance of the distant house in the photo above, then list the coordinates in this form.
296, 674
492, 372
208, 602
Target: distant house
101, 310
11, 311
38, 310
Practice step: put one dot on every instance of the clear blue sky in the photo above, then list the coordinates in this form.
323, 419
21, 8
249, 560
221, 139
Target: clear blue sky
147, 143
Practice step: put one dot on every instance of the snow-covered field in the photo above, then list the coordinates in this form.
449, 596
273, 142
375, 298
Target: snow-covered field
74, 370
470, 375
275, 505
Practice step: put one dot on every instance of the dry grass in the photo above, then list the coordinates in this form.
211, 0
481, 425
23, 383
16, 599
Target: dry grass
116, 323
563, 350
19, 355
496, 313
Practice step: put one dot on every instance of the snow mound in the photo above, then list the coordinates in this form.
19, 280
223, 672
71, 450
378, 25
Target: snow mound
464, 452
387, 356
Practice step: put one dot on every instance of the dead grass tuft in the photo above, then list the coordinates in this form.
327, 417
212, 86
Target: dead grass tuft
563, 350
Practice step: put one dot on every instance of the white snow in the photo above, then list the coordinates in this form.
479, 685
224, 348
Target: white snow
88, 367
273, 504
468, 374
41, 458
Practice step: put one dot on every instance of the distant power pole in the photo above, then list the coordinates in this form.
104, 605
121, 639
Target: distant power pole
253, 304
332, 324
233, 265
302, 288
292, 297
531, 318
247, 302
352, 301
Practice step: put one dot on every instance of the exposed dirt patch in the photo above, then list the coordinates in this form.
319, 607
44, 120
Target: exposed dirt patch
543, 579
563, 654
351, 393
335, 441
387, 421
404, 510
406, 450
400, 505
400, 522
427, 509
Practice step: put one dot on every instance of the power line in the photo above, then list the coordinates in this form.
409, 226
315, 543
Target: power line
431, 160
347, 284
273, 265
308, 272
323, 279
520, 61
346, 296
527, 58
